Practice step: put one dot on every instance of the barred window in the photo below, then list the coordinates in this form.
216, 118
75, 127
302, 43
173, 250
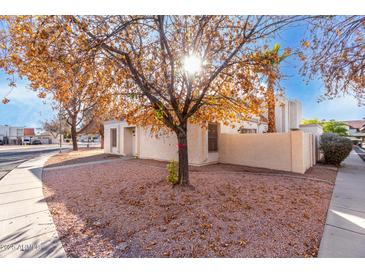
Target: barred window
212, 137
113, 136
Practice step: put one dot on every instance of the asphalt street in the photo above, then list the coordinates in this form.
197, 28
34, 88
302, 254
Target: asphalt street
12, 157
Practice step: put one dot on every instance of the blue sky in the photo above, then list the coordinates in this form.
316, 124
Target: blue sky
297, 87
26, 109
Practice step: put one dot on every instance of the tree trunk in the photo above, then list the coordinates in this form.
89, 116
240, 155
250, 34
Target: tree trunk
183, 157
101, 133
101, 141
270, 99
74, 136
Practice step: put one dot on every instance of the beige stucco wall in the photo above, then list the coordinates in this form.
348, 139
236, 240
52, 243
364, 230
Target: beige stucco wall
161, 147
295, 114
107, 138
316, 131
303, 146
245, 124
164, 146
260, 150
288, 114
290, 151
281, 114
281, 151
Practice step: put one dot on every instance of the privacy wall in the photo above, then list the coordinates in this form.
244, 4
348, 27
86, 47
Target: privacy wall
292, 151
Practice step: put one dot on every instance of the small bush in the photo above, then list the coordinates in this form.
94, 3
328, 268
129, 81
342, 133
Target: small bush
172, 169
335, 148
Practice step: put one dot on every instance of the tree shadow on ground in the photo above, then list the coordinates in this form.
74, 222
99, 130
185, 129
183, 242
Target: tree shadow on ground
127, 209
20, 244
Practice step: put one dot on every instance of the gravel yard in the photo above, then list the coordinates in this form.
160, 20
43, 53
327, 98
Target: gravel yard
127, 209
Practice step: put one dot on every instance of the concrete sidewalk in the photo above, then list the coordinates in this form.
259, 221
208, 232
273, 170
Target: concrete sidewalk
26, 225
57, 167
344, 232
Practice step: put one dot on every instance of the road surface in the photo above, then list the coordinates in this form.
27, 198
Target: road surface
12, 156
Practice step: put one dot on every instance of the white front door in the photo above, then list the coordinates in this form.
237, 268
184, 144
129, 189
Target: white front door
129, 141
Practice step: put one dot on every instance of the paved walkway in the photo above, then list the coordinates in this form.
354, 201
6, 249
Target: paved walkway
344, 232
124, 158
26, 226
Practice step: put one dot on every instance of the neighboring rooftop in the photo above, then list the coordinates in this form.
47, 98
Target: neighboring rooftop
29, 131
355, 124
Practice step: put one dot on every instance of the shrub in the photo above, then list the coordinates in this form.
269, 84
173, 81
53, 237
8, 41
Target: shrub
335, 148
172, 169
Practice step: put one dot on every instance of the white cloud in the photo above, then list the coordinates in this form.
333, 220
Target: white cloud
25, 107
19, 94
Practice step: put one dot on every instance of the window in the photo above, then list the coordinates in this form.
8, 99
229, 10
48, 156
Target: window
19, 132
247, 130
212, 137
113, 136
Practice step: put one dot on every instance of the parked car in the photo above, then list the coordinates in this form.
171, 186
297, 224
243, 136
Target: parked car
26, 141
1, 142
36, 142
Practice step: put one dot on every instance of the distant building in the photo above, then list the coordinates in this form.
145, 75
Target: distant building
355, 126
47, 137
288, 114
356, 130
11, 135
87, 138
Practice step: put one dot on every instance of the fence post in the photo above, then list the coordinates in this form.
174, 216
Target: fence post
297, 151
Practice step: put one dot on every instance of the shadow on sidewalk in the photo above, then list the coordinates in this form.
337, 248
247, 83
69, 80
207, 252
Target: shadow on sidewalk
360, 152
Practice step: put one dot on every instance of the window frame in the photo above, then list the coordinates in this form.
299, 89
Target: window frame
213, 147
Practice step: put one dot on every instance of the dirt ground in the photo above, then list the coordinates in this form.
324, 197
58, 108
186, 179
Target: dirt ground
127, 209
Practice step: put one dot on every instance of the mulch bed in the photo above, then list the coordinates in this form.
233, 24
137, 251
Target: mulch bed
127, 209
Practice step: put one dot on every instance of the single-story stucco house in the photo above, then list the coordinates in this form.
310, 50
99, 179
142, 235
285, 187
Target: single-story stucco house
245, 144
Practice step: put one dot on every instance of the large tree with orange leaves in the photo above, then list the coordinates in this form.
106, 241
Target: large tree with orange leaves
52, 59
166, 71
182, 69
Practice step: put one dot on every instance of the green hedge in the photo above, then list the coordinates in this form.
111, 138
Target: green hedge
335, 148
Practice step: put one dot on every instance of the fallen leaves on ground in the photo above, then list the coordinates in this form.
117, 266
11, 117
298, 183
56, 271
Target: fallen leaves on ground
97, 208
